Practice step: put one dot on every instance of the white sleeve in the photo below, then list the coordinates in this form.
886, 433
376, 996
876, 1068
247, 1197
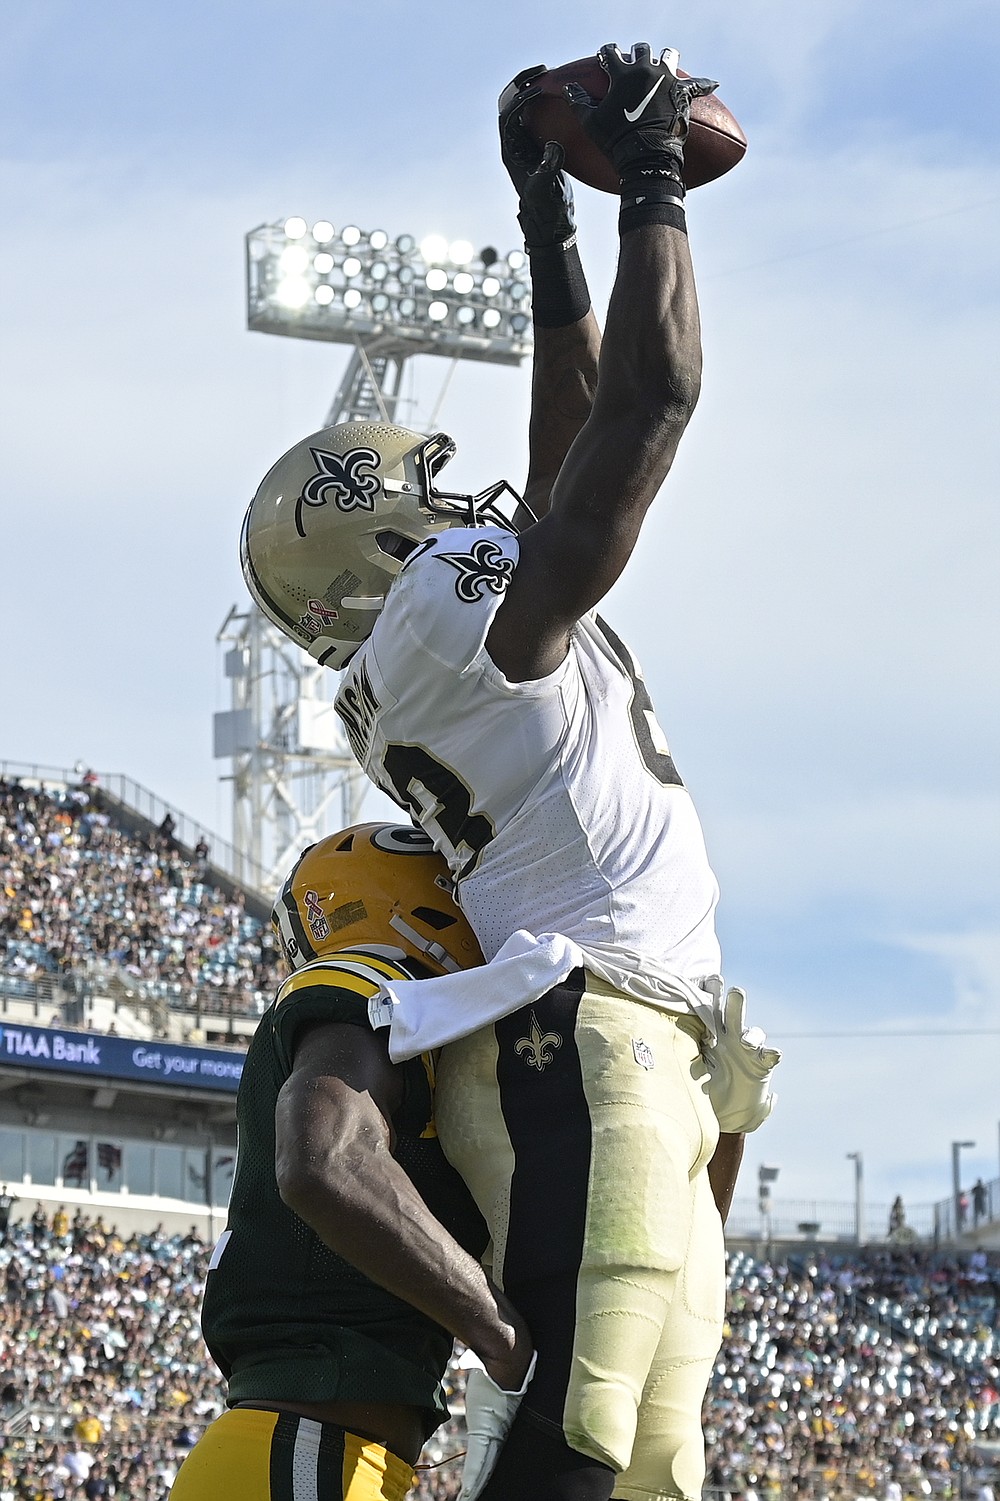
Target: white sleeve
443, 603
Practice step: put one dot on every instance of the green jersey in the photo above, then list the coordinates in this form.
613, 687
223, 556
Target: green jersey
283, 1316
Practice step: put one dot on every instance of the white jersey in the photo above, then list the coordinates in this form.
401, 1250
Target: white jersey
556, 801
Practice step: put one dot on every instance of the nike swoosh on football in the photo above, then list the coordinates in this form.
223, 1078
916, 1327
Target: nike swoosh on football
632, 115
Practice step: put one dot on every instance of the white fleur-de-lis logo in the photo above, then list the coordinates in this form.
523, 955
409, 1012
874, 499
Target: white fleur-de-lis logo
484, 567
348, 479
538, 1048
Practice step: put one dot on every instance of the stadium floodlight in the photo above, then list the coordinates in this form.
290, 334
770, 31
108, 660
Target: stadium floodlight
352, 286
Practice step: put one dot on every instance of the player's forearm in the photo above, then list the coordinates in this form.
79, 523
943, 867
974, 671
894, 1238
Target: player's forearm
362, 1205
724, 1169
648, 386
651, 355
563, 383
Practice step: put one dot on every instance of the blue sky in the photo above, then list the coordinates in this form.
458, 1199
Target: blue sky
814, 599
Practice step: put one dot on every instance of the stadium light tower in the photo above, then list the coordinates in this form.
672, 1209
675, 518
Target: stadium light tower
389, 299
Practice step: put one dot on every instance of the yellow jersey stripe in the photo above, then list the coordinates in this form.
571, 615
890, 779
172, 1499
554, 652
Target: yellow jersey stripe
340, 979
389, 968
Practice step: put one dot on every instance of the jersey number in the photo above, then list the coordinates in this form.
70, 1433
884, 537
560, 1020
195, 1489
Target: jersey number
650, 739
442, 805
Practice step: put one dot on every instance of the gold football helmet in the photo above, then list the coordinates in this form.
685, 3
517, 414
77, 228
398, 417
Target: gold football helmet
379, 885
334, 521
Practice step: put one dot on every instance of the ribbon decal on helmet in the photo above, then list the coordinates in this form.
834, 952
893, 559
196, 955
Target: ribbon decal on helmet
318, 925
345, 478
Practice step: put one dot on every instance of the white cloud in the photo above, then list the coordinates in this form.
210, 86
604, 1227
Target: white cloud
974, 961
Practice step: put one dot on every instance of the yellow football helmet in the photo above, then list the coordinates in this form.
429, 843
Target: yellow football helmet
379, 885
335, 519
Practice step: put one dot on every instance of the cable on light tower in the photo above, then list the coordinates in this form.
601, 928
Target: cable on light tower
389, 299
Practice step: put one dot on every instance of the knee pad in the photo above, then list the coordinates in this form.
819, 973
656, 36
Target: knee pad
601, 1422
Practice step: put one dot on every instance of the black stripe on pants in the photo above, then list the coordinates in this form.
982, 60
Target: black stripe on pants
547, 1118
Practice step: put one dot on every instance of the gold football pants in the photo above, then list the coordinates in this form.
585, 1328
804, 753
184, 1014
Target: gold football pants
582, 1126
251, 1455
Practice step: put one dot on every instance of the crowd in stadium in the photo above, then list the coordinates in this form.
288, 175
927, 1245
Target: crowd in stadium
76, 890
872, 1374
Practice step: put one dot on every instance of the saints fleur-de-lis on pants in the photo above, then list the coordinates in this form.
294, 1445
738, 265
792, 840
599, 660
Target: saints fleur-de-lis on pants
538, 1047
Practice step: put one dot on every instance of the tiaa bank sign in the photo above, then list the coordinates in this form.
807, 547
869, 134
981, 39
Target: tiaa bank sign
88, 1053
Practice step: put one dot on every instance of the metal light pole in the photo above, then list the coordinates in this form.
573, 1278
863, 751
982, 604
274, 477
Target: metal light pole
388, 299
956, 1182
765, 1177
859, 1196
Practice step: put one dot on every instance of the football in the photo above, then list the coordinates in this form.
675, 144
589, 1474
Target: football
715, 142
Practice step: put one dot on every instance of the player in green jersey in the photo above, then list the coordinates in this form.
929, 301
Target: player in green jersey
348, 1261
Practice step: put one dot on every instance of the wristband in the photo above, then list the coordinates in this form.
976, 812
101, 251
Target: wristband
559, 292
654, 199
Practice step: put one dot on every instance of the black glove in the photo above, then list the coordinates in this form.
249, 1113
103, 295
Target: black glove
642, 121
546, 197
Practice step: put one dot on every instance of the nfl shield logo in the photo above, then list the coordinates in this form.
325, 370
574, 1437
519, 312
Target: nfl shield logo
642, 1052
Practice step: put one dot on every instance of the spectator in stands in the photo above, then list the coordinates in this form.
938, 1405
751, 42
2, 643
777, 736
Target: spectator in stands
7, 1202
978, 1201
79, 1464
88, 1429
78, 1230
95, 1487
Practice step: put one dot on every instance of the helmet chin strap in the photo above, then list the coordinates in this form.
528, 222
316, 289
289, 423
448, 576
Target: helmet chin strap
363, 601
426, 946
331, 651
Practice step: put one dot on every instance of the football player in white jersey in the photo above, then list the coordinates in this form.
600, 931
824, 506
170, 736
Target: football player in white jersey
484, 695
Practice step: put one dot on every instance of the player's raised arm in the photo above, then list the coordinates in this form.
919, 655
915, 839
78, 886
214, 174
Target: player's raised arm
649, 372
567, 340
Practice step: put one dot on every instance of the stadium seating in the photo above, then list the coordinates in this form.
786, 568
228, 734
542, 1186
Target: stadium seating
870, 1373
80, 897
867, 1375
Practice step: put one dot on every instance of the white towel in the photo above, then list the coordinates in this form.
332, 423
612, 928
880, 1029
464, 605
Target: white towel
425, 1014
